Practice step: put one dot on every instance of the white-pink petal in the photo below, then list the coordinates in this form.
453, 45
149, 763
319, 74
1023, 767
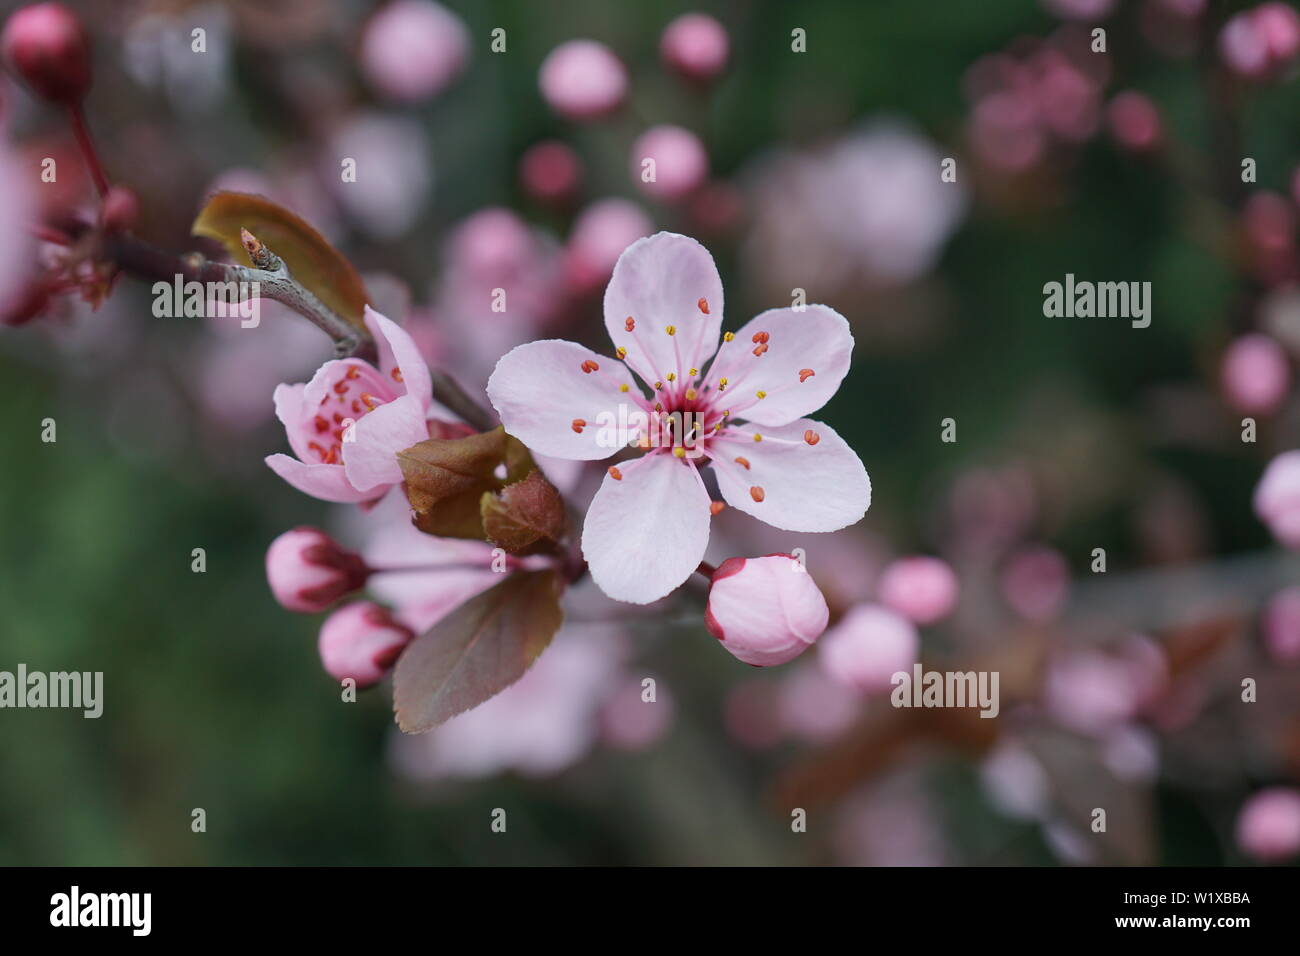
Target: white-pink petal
646, 531
327, 482
791, 482
290, 409
370, 458
806, 358
564, 400
664, 281
397, 350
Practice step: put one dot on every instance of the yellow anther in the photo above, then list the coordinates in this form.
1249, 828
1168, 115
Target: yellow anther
623, 387
679, 452
658, 385
694, 372
761, 394
671, 330
622, 352
757, 437
727, 337
690, 394
672, 376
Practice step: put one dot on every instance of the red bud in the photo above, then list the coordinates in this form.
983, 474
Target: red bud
46, 46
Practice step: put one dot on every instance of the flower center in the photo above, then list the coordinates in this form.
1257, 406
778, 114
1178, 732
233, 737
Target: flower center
356, 391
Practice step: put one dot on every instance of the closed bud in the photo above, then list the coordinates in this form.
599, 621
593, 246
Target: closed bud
361, 641
308, 570
765, 611
46, 46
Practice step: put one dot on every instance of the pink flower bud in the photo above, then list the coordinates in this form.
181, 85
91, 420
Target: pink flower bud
868, 647
920, 588
696, 46
1268, 826
1134, 121
1282, 626
308, 570
362, 641
765, 611
412, 49
680, 162
1256, 375
600, 234
1277, 498
550, 171
46, 46
582, 80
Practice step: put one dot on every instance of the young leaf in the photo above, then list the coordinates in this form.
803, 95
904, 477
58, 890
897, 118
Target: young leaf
526, 517
446, 479
311, 259
476, 651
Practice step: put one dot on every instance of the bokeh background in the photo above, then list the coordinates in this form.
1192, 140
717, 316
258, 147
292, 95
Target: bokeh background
818, 170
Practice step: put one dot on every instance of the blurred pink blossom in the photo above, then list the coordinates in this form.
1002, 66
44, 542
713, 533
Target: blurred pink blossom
813, 706
868, 646
599, 235
680, 162
1261, 41
1134, 121
1268, 825
921, 588
412, 49
550, 171
696, 46
394, 172
583, 80
17, 215
1277, 498
870, 206
1256, 374
1096, 692
1281, 625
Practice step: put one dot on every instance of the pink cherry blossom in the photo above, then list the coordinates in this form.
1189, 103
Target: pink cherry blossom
629, 721
582, 80
648, 525
349, 422
550, 171
1277, 498
696, 46
1256, 374
921, 588
1268, 826
765, 611
868, 646
308, 570
361, 641
1134, 121
412, 49
598, 237
680, 162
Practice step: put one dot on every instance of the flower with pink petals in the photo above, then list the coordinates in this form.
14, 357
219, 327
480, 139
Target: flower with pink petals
1277, 498
868, 647
349, 422
583, 80
696, 46
1268, 827
680, 163
361, 641
920, 588
1281, 626
1256, 374
739, 405
765, 611
412, 49
308, 570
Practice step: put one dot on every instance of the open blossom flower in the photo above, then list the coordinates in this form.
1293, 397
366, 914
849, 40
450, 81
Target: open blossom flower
738, 406
349, 422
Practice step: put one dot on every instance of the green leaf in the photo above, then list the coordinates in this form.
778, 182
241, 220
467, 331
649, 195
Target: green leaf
476, 651
315, 263
526, 517
446, 479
